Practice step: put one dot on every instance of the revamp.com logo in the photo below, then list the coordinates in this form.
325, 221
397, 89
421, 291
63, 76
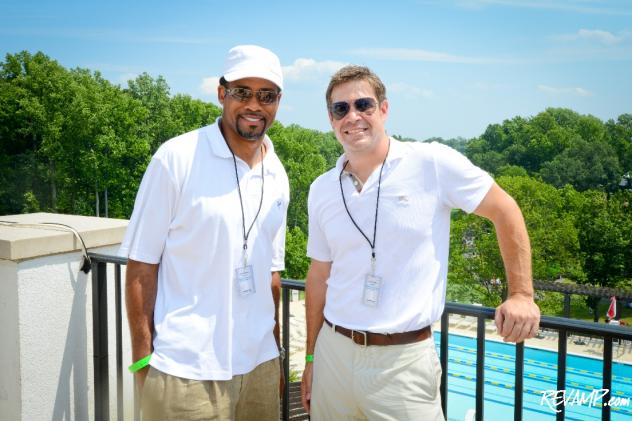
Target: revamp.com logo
554, 399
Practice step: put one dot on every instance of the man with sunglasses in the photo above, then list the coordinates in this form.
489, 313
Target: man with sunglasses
378, 239
205, 243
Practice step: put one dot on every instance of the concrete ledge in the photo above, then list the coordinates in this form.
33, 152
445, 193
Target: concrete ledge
19, 242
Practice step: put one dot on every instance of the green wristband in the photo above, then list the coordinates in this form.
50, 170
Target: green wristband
140, 364
309, 358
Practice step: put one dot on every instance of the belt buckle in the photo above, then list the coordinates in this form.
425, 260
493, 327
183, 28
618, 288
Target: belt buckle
363, 333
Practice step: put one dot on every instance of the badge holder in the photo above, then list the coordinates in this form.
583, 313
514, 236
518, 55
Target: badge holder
372, 286
245, 279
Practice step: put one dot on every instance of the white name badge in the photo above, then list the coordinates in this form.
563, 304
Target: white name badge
371, 294
245, 280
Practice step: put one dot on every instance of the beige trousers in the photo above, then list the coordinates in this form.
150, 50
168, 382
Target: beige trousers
251, 396
394, 382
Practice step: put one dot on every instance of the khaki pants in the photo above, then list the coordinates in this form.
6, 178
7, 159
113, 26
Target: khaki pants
251, 396
394, 382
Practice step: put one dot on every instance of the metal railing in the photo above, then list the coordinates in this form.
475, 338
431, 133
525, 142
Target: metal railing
563, 326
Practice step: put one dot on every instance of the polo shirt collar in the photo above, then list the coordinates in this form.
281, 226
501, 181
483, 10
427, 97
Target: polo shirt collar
219, 146
395, 154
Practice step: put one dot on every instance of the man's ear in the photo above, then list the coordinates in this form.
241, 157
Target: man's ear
221, 94
384, 107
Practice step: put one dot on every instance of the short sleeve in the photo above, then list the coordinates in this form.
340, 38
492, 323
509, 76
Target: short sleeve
317, 246
463, 185
153, 212
278, 243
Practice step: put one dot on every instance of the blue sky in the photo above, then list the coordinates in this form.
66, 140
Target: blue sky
450, 67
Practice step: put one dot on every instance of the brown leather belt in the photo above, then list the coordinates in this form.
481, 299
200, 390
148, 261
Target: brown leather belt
361, 337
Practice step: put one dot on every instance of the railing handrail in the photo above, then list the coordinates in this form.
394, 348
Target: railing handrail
552, 322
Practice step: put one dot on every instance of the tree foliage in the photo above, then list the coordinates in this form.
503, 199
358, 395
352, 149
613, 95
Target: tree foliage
69, 139
560, 146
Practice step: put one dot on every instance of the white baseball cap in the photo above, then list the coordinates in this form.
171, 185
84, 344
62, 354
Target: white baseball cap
245, 61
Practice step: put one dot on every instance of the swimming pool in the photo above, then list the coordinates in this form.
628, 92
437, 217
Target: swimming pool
583, 376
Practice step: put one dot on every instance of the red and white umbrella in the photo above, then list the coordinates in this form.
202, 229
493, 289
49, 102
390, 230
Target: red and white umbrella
612, 310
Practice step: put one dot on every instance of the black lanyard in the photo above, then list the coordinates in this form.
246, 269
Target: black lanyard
377, 203
241, 203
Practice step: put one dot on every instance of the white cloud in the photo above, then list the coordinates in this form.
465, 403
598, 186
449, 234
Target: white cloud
595, 7
125, 77
307, 68
604, 37
209, 85
409, 91
410, 54
551, 90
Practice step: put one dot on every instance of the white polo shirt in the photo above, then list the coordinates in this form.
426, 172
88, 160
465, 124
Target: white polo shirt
187, 217
421, 184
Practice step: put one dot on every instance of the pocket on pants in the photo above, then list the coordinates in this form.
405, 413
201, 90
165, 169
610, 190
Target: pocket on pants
425, 373
436, 364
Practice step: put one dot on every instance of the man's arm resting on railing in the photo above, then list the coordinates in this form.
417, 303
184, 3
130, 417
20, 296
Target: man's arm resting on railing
315, 291
141, 282
517, 318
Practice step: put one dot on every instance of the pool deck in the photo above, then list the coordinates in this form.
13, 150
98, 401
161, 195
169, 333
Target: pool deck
464, 325
576, 344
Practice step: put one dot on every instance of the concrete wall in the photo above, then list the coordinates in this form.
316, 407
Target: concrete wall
10, 397
46, 352
55, 345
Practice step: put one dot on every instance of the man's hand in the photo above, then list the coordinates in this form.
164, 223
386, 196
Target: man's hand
306, 386
140, 377
518, 318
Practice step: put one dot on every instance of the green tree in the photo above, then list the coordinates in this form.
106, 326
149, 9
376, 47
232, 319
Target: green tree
585, 165
296, 261
303, 153
550, 221
158, 124
619, 135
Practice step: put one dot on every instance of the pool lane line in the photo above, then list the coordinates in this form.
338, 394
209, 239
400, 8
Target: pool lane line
620, 379
527, 375
526, 390
570, 414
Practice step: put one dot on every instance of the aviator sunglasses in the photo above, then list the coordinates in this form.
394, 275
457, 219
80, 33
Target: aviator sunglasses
362, 105
265, 97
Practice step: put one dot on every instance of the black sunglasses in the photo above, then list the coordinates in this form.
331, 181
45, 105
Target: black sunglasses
264, 96
363, 105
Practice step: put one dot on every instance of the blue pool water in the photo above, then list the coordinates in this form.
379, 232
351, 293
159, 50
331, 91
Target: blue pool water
583, 376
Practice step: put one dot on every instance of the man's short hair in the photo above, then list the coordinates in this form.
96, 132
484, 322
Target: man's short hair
352, 73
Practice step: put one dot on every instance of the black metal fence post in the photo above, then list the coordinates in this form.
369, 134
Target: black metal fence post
607, 378
445, 319
286, 345
119, 341
561, 368
519, 381
480, 367
100, 341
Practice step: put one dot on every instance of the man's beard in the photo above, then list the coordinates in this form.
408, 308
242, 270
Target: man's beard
251, 133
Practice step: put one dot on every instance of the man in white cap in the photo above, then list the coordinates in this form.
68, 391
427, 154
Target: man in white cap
205, 243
